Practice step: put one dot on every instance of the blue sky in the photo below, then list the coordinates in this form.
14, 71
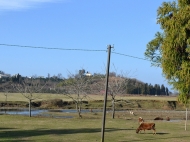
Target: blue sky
78, 24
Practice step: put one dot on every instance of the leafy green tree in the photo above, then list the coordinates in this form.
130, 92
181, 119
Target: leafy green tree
170, 49
2, 72
129, 87
167, 91
152, 90
157, 89
162, 90
16, 78
145, 89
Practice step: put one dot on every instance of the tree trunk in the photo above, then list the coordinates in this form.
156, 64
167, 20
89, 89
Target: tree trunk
113, 109
78, 109
29, 108
6, 104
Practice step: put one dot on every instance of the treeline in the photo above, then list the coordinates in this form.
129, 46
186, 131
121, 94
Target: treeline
137, 87
6, 83
131, 85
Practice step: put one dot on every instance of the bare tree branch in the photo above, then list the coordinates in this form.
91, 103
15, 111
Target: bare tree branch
30, 89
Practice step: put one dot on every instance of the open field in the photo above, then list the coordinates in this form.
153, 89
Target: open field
14, 128
93, 101
44, 96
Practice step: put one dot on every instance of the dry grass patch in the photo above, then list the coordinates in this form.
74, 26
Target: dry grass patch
91, 97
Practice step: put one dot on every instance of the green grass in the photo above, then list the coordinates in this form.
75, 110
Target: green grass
14, 128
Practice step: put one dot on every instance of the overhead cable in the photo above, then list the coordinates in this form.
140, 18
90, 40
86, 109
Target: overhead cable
47, 48
26, 46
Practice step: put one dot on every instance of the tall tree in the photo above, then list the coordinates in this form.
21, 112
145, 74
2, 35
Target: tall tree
146, 90
157, 89
171, 49
167, 91
2, 72
152, 90
162, 90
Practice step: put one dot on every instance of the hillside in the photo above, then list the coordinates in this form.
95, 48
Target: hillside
122, 84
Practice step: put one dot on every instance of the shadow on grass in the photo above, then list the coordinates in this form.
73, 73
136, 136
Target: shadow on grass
113, 129
156, 138
11, 134
6, 128
162, 133
17, 140
152, 133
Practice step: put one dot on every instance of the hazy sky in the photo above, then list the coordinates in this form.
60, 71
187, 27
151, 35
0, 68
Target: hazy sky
78, 24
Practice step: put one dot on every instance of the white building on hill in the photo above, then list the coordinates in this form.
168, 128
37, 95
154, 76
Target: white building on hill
4, 75
88, 74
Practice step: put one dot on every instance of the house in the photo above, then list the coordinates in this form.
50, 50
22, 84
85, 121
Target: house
88, 74
5, 75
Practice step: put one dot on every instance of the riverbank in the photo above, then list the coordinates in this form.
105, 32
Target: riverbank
98, 104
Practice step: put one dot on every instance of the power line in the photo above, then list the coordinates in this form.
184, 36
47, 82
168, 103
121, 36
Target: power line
130, 56
47, 48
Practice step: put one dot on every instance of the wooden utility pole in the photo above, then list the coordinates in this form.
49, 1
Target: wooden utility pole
106, 92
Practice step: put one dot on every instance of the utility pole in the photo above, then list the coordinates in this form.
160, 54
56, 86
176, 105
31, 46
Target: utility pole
106, 92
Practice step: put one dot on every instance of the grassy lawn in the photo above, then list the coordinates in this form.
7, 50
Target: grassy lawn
15, 128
